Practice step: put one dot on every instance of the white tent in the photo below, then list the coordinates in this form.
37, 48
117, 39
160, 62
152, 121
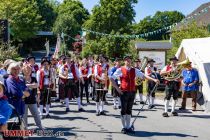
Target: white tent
198, 52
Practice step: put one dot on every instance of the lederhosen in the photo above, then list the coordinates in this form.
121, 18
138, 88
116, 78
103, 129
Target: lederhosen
84, 71
44, 89
151, 84
61, 84
114, 92
71, 86
140, 86
128, 89
172, 87
100, 94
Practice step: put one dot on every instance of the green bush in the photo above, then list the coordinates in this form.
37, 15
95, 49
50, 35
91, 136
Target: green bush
8, 52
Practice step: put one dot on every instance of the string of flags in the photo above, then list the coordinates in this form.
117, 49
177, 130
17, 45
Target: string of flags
185, 20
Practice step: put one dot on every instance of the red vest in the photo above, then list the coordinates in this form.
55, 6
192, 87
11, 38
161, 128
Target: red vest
128, 80
84, 72
73, 70
41, 83
99, 70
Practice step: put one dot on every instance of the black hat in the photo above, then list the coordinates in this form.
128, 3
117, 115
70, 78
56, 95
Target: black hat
117, 59
127, 56
151, 60
174, 58
137, 60
43, 61
31, 57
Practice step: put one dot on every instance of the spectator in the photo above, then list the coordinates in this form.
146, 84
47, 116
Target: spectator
30, 102
5, 109
16, 88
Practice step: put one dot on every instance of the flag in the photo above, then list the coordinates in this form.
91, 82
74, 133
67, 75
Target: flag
57, 48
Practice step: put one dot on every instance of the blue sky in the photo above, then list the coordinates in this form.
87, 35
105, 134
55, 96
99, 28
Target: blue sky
150, 7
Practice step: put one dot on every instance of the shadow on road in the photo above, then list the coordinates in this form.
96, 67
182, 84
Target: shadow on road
151, 134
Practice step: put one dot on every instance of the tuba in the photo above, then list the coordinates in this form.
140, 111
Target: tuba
176, 74
143, 66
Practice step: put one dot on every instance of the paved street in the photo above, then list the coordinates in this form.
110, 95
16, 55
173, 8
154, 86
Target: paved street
149, 125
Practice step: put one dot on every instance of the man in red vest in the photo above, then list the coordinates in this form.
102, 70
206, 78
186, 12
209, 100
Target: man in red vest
100, 81
44, 82
172, 87
70, 74
127, 75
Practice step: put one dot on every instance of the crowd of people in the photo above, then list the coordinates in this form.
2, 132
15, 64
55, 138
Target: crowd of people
25, 85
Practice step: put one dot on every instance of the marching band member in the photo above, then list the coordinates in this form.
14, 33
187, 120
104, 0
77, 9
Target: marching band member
70, 75
100, 82
127, 75
115, 94
44, 81
85, 73
150, 70
91, 77
172, 87
139, 84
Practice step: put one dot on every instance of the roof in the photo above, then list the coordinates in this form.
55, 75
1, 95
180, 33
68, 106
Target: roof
153, 45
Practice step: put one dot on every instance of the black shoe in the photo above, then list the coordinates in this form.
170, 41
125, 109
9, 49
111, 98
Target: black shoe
106, 103
182, 108
102, 113
88, 102
81, 109
57, 100
134, 103
141, 102
67, 110
165, 114
93, 99
48, 116
130, 130
98, 114
174, 113
44, 111
152, 106
123, 131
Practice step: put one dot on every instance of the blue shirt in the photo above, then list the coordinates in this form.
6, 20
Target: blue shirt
189, 76
14, 93
113, 69
5, 111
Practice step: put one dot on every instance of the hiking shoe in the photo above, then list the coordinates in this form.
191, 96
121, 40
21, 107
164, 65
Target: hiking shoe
102, 113
141, 102
165, 114
182, 108
123, 131
81, 109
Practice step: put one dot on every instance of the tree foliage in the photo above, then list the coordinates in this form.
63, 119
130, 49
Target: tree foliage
23, 17
111, 17
188, 31
158, 21
71, 16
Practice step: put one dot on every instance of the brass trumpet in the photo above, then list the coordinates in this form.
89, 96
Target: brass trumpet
143, 66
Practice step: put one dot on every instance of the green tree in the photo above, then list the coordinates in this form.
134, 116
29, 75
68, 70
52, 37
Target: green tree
71, 16
111, 17
23, 17
47, 11
159, 21
188, 31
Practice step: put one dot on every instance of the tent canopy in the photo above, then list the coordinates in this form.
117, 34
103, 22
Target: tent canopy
198, 52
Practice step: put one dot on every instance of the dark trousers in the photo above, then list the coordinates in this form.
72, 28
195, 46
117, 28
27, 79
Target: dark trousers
82, 86
127, 99
172, 89
45, 96
150, 86
192, 94
100, 94
72, 86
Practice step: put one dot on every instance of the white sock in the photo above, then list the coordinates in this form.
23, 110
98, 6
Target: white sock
115, 101
91, 89
119, 101
123, 119
173, 105
148, 100
97, 107
102, 106
152, 100
67, 102
128, 120
140, 97
79, 102
47, 109
166, 105
41, 107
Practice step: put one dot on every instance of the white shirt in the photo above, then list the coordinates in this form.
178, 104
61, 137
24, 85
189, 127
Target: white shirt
96, 69
70, 74
46, 80
147, 70
118, 73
